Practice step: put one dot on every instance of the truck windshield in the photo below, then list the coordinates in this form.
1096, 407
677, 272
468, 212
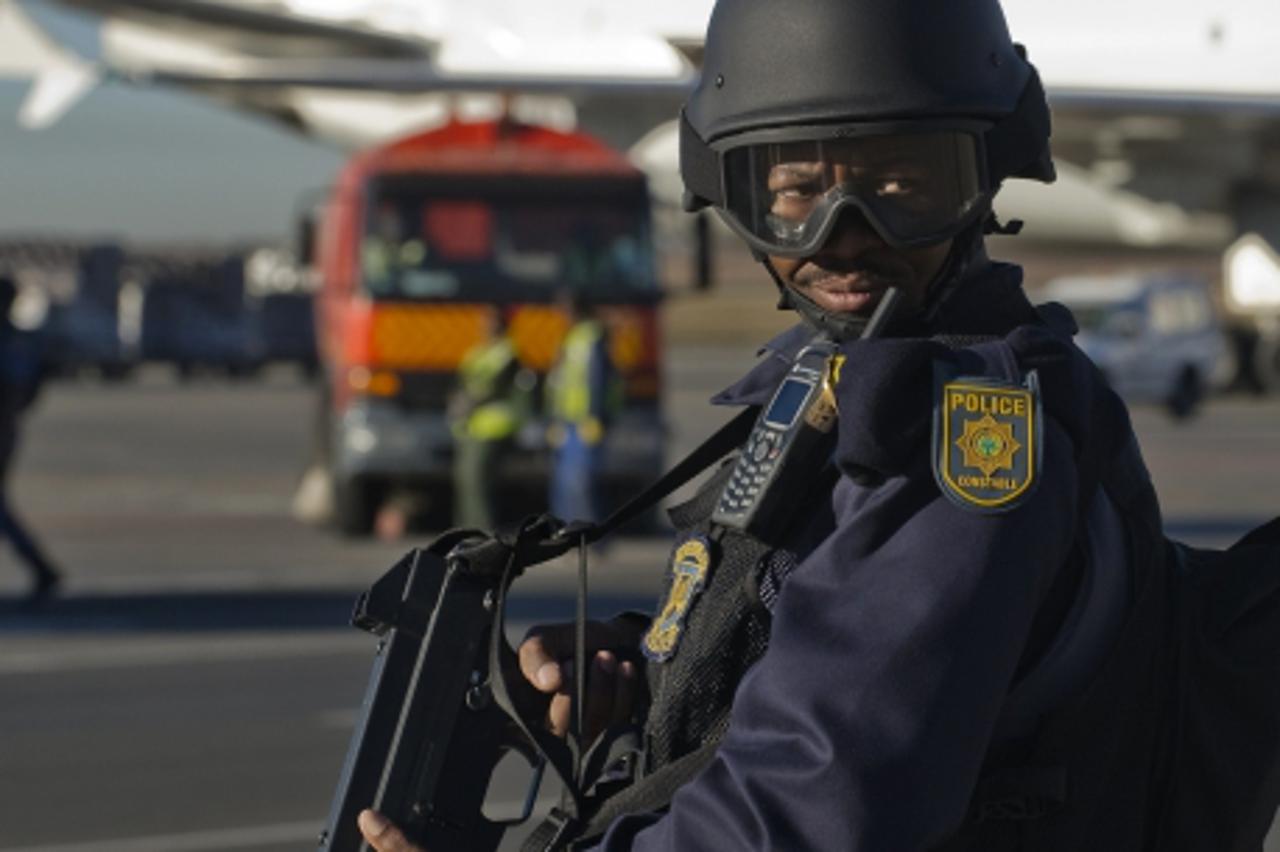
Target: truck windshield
420, 244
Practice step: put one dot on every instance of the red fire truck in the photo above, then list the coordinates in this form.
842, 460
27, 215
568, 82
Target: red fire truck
421, 242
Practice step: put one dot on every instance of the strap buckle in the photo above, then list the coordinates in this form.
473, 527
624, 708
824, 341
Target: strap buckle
554, 832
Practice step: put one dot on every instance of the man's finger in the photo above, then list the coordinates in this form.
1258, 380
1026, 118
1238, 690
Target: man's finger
626, 693
558, 714
539, 665
382, 835
545, 646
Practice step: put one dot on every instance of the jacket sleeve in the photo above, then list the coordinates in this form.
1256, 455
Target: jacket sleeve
865, 725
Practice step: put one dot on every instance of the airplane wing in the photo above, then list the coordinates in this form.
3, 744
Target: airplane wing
264, 28
360, 71
259, 44
1170, 109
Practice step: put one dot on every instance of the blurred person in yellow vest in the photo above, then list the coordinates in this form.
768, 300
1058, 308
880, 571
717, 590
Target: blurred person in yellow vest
584, 393
490, 405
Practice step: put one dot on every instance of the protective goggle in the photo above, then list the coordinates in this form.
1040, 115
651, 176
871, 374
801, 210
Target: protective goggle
783, 191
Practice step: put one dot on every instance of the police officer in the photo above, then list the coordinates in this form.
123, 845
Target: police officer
891, 668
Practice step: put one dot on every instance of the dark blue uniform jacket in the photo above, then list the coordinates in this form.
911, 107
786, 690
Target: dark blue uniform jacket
898, 636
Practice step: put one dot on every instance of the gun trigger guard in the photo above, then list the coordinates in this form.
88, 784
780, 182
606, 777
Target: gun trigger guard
550, 749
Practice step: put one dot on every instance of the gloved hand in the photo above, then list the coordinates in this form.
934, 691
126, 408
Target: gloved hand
591, 431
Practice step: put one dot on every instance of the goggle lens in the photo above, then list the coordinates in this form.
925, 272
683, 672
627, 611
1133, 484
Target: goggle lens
912, 187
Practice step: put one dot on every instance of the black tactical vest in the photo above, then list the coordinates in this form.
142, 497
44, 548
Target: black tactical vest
724, 633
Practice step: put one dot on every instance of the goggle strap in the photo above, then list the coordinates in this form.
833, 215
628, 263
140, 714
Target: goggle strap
700, 168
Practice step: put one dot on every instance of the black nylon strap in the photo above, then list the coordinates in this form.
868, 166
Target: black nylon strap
650, 793
727, 438
551, 834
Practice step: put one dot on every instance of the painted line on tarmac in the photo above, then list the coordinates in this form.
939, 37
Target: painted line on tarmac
99, 653
227, 839
194, 841
59, 654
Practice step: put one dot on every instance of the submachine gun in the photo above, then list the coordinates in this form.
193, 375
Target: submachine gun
446, 702
438, 715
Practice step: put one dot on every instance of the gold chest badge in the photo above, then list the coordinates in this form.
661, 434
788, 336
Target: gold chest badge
690, 565
987, 442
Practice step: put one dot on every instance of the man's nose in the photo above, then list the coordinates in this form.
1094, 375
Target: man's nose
851, 236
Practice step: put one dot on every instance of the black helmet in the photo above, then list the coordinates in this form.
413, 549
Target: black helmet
849, 85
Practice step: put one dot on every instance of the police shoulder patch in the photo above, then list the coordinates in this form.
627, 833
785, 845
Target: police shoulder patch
987, 441
690, 565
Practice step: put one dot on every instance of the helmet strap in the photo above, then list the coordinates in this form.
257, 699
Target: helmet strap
993, 225
967, 251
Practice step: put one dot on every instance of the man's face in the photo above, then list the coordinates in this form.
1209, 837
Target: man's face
852, 270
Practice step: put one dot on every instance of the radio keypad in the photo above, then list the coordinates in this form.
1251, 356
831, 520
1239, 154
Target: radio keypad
751, 471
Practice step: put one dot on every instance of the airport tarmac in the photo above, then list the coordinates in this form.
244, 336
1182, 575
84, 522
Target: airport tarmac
196, 687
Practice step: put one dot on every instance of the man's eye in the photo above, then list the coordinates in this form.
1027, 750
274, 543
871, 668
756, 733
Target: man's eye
896, 186
799, 191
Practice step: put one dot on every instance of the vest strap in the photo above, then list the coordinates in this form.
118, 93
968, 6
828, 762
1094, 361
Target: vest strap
551, 833
650, 793
729, 437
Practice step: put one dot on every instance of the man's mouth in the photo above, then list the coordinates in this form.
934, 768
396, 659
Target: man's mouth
846, 292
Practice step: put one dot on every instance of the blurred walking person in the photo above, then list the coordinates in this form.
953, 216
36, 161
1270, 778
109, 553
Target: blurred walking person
584, 393
491, 403
20, 379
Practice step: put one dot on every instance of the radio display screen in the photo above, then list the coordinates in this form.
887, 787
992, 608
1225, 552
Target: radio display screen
786, 405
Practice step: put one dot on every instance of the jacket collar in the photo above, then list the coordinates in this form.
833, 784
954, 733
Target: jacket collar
777, 355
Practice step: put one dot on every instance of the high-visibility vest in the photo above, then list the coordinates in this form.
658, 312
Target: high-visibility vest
569, 384
485, 378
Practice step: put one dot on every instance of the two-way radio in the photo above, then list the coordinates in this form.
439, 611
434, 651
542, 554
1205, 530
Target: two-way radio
792, 439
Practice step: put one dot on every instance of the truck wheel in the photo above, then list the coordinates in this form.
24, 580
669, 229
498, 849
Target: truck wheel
355, 505
1186, 395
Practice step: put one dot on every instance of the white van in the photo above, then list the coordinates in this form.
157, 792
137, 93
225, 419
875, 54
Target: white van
1155, 336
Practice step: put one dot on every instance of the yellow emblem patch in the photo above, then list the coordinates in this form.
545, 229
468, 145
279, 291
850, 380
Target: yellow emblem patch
689, 568
987, 445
